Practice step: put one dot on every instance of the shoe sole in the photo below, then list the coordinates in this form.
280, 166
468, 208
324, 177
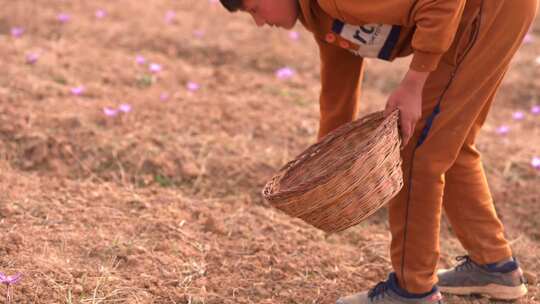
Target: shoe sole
493, 291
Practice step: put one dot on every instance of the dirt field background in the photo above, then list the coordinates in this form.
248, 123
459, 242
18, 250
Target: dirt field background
161, 203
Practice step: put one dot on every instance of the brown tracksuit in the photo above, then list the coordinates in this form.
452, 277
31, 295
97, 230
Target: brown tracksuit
466, 45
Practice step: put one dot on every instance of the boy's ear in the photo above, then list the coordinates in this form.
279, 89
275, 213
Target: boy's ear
232, 5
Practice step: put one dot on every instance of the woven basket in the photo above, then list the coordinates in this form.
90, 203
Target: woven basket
344, 178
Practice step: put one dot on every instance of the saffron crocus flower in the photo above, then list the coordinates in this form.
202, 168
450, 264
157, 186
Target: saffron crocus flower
9, 280
169, 16
126, 108
535, 109
110, 111
294, 35
17, 32
528, 39
503, 130
535, 162
518, 115
192, 86
32, 58
164, 96
63, 17
198, 33
77, 91
140, 59
285, 73
100, 14
155, 68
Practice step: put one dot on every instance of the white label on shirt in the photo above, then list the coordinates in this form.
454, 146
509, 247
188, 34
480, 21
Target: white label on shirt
371, 38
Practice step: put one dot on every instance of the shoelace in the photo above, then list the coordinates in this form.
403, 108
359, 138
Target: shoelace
378, 291
466, 263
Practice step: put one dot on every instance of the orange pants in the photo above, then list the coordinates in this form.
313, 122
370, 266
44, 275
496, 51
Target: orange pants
441, 165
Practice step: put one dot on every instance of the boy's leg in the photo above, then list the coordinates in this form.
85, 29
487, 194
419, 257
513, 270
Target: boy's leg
469, 206
487, 269
454, 97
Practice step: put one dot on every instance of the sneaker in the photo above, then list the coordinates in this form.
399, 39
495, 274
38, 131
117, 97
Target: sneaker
388, 292
502, 282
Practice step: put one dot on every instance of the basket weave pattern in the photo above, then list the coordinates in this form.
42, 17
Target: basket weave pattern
341, 180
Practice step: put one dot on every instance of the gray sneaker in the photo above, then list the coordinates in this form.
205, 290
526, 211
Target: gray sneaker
502, 282
388, 292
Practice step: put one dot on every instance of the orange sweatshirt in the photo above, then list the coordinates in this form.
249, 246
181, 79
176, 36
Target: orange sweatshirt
349, 30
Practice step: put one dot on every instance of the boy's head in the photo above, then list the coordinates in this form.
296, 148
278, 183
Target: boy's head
280, 13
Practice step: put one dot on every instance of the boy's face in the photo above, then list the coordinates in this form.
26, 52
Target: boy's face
280, 13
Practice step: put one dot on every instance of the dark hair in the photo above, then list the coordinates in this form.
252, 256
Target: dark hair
232, 5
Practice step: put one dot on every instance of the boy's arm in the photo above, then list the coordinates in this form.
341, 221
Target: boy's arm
436, 22
341, 75
436, 25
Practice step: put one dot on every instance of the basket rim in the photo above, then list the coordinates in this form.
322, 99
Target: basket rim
385, 120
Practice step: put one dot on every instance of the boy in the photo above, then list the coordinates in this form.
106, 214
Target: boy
460, 50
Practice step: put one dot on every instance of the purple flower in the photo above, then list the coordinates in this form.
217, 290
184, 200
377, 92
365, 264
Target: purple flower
285, 73
164, 96
198, 33
100, 14
535, 109
192, 86
535, 162
140, 59
294, 35
110, 112
63, 17
77, 91
9, 280
17, 32
126, 108
32, 58
169, 16
155, 68
503, 130
528, 39
518, 115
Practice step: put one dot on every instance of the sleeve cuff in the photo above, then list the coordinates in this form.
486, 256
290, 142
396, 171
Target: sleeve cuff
424, 61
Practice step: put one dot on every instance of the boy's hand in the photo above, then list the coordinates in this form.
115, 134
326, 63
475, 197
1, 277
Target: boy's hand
408, 99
